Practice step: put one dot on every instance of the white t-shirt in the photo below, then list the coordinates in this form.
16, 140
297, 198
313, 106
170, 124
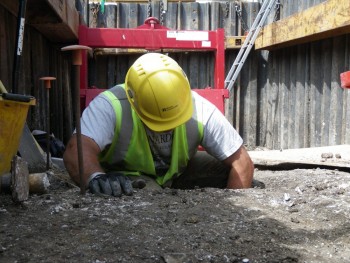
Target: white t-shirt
220, 139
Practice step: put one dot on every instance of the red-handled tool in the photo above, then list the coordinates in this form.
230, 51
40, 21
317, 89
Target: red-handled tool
47, 86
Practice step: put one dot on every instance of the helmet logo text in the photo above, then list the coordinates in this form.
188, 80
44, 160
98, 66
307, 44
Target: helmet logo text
169, 108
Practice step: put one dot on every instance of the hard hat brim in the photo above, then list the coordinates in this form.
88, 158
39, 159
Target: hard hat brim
161, 126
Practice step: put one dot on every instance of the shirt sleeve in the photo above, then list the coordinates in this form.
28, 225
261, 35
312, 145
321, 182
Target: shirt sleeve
220, 139
98, 121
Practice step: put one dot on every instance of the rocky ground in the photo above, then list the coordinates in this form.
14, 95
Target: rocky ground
301, 216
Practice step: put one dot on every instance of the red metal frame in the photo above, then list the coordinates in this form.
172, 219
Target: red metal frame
153, 36
345, 80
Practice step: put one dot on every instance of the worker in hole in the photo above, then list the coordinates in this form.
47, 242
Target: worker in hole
151, 127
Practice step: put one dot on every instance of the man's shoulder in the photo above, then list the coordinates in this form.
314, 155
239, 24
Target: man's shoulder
202, 102
117, 91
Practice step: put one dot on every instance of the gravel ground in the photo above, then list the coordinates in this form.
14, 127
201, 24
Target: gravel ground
301, 216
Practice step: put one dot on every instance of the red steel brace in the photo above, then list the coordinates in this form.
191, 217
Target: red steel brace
153, 36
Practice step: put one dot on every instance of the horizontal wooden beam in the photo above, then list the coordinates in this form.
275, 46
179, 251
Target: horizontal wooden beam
328, 19
56, 20
234, 42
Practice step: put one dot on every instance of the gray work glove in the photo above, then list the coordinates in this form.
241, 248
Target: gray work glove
114, 183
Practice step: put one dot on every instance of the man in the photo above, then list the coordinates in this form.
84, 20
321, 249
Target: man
153, 125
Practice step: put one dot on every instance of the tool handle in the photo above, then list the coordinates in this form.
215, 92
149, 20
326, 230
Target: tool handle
17, 97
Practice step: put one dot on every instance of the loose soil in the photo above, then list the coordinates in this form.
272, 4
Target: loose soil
301, 216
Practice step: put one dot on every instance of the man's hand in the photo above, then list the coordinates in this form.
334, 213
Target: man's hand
113, 183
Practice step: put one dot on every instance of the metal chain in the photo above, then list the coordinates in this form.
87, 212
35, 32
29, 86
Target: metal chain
239, 14
227, 9
243, 24
95, 8
278, 11
149, 8
161, 12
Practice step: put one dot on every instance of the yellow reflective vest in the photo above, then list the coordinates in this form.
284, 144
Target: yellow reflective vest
130, 150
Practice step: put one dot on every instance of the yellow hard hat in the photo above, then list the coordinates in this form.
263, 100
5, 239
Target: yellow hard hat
159, 92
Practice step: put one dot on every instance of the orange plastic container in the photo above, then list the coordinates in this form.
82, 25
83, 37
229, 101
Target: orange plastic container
345, 79
13, 116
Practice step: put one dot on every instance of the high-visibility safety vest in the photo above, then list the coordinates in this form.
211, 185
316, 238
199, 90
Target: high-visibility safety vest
130, 150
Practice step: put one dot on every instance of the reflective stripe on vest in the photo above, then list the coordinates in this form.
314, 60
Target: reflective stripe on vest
130, 150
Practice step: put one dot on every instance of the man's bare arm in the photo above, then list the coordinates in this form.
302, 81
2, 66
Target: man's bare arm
242, 169
90, 158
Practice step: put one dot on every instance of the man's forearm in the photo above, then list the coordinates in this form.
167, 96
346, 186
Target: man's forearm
242, 170
240, 179
90, 159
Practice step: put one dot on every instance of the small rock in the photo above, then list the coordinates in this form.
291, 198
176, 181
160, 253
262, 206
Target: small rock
57, 209
293, 210
286, 197
192, 220
294, 220
139, 183
298, 190
176, 258
339, 192
2, 249
338, 156
327, 155
76, 205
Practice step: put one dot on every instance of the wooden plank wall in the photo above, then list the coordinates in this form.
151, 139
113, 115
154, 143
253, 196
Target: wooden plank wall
287, 98
300, 101
40, 58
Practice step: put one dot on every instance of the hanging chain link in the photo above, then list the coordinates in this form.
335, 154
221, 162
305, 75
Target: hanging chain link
239, 14
149, 8
161, 3
243, 24
278, 11
227, 9
95, 8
